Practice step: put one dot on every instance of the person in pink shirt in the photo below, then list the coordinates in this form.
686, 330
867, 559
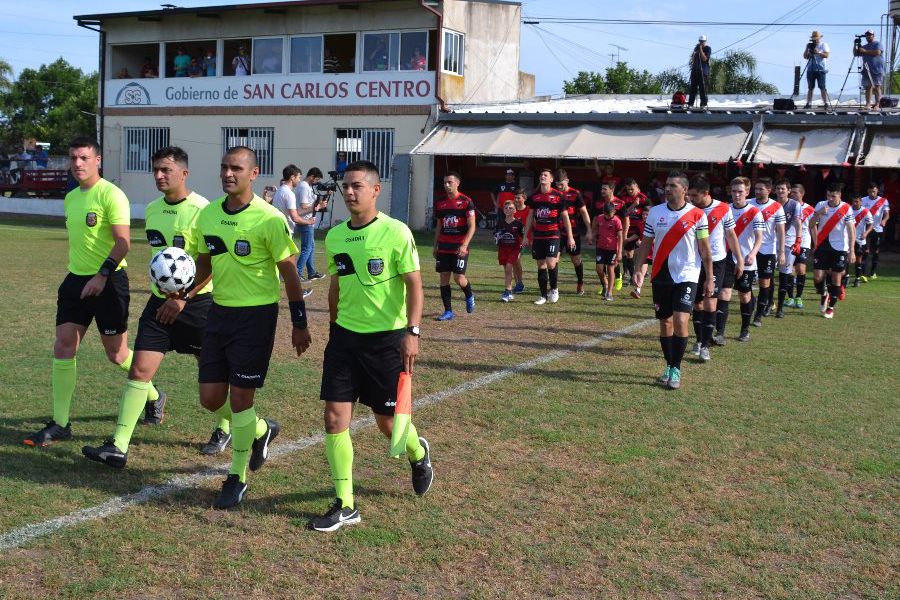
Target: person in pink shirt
609, 238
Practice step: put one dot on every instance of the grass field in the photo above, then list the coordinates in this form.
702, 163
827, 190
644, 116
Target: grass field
774, 471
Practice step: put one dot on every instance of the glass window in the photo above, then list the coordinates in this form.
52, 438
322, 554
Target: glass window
453, 52
381, 52
267, 56
414, 51
260, 139
306, 54
374, 145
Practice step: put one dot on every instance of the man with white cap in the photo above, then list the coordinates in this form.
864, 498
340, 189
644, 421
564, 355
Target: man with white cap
816, 53
700, 71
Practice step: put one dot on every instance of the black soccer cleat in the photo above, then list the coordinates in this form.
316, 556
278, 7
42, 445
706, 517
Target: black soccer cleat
260, 450
107, 454
336, 517
779, 314
233, 490
757, 322
422, 473
217, 443
745, 335
154, 411
50, 434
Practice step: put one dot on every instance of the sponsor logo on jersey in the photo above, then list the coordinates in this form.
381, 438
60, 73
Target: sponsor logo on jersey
169, 211
156, 239
232, 223
90, 219
542, 213
358, 238
242, 248
376, 266
178, 241
451, 221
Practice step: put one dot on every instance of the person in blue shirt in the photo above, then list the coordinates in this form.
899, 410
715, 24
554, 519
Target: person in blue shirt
872, 69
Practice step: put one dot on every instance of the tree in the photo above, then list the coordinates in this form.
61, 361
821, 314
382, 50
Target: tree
6, 72
53, 104
735, 73
587, 82
620, 79
672, 80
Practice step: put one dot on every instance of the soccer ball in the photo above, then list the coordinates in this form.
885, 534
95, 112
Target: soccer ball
172, 270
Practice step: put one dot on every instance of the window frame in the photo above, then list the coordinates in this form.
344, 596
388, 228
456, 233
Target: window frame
460, 52
266, 160
290, 53
253, 54
361, 49
363, 149
151, 133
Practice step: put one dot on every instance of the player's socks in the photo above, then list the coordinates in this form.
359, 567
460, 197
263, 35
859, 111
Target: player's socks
579, 273
679, 345
699, 315
833, 292
859, 270
801, 283
131, 405
709, 328
666, 343
261, 428
542, 282
414, 449
339, 450
224, 423
244, 426
125, 365
445, 296
554, 277
62, 378
722, 307
820, 288
782, 289
874, 262
467, 290
761, 301
746, 313
628, 264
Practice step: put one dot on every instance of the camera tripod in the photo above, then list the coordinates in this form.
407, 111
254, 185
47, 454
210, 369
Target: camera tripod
863, 70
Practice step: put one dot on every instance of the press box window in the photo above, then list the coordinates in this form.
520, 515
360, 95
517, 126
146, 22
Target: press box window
140, 144
259, 139
406, 51
267, 56
306, 54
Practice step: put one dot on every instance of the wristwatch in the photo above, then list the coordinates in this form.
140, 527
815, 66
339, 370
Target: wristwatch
413, 330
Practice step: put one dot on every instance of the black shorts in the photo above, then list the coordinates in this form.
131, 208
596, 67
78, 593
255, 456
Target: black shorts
728, 273
184, 336
874, 240
744, 284
765, 265
826, 258
802, 258
238, 344
364, 367
860, 251
544, 248
447, 263
109, 308
719, 268
577, 250
669, 298
632, 245
605, 257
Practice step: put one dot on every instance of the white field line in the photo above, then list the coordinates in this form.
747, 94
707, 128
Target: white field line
22, 535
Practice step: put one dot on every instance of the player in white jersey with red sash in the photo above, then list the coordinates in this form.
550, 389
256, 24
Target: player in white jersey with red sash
771, 253
801, 248
721, 228
864, 222
880, 209
680, 235
748, 227
792, 234
835, 233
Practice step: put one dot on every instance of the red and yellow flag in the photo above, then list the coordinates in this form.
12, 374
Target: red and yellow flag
402, 415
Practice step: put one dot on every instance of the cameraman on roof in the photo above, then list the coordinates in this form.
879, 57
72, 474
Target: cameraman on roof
816, 53
700, 71
873, 66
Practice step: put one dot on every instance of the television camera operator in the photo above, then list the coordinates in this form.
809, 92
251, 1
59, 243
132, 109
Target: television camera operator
872, 66
700, 72
816, 55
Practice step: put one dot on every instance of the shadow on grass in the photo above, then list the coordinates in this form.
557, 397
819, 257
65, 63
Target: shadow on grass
285, 504
559, 374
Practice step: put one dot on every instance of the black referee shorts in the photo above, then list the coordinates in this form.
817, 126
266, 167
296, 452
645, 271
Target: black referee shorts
109, 308
238, 344
184, 336
364, 367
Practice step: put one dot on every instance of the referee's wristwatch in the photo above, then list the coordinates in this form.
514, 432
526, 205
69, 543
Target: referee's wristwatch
413, 330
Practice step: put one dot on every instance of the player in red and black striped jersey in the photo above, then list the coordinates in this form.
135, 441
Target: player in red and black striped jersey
580, 221
636, 207
455, 215
548, 211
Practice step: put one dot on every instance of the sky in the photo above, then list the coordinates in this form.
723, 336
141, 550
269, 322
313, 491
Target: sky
40, 31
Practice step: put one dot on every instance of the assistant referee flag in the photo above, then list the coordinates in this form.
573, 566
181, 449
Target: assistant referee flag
402, 415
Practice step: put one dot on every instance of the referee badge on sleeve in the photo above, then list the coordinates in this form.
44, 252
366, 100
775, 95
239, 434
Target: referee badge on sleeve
376, 266
242, 248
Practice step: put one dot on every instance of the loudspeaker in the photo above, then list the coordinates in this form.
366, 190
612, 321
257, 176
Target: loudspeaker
886, 102
784, 104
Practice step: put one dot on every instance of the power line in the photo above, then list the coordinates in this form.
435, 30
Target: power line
528, 20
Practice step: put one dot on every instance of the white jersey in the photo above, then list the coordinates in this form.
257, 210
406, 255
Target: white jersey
683, 263
770, 239
806, 212
792, 210
747, 220
285, 201
877, 214
719, 221
863, 219
837, 237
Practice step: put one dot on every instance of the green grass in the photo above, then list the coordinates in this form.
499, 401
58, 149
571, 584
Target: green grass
773, 472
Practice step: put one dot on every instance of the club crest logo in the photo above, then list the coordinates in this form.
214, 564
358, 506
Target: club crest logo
90, 219
242, 248
133, 94
376, 266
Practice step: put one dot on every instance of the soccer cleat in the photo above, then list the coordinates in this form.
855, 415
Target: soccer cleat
674, 379
856, 282
554, 296
49, 434
579, 289
519, 288
779, 314
719, 339
704, 354
618, 284
506, 296
232, 493
107, 454
823, 304
864, 279
470, 304
307, 293
609, 298
745, 335
636, 293
829, 313
422, 473
767, 312
696, 349
336, 517
798, 303
316, 276
664, 378
789, 302
873, 276
260, 450
843, 294
540, 301
154, 411
447, 316
217, 443
757, 322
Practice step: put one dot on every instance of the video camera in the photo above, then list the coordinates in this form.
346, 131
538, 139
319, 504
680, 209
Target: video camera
324, 191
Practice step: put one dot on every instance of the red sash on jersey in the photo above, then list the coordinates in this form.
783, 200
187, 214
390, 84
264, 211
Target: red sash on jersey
877, 206
769, 210
862, 215
745, 219
807, 212
716, 214
673, 236
839, 214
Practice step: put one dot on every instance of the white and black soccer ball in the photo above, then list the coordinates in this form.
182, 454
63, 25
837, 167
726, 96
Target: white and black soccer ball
172, 270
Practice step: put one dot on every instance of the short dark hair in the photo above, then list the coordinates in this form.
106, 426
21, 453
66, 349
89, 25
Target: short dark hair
630, 181
547, 170
453, 174
766, 181
801, 186
289, 171
174, 152
683, 179
609, 184
364, 166
783, 181
609, 205
246, 150
701, 184
834, 186
561, 174
873, 184
314, 172
85, 142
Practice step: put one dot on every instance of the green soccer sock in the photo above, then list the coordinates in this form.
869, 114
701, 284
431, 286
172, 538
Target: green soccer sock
243, 433
339, 450
224, 414
152, 394
131, 405
62, 385
261, 428
415, 451
125, 365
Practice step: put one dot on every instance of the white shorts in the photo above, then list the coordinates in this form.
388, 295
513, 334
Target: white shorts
789, 259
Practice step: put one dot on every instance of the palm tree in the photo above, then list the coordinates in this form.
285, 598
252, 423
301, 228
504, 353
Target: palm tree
735, 73
6, 72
